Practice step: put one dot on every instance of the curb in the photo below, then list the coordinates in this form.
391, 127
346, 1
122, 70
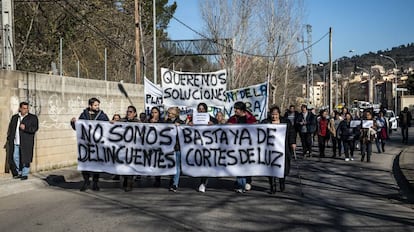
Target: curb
406, 189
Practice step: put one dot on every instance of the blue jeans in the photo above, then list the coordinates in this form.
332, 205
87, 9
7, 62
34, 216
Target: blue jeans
241, 182
21, 169
176, 178
16, 158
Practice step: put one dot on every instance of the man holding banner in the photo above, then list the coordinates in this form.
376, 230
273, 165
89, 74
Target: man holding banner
91, 113
242, 116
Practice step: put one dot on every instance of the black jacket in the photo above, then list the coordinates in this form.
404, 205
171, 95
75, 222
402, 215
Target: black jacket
310, 122
27, 135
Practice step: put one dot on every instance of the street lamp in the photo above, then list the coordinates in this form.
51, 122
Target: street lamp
395, 81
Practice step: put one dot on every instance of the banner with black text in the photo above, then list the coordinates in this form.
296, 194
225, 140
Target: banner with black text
126, 148
254, 96
233, 150
153, 95
189, 89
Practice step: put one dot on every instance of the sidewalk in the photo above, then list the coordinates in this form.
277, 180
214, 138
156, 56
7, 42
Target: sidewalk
9, 186
405, 171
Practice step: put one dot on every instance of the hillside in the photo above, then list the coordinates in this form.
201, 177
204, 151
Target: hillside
403, 56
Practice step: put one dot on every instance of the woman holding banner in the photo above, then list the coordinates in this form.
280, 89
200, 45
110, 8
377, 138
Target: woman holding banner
274, 118
173, 116
242, 116
202, 108
131, 116
155, 117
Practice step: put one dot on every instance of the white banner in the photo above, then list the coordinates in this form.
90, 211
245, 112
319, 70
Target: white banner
153, 95
126, 148
233, 150
254, 96
189, 89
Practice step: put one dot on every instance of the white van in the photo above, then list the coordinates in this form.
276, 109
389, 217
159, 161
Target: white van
392, 119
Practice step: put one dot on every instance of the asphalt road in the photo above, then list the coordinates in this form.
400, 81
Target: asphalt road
321, 195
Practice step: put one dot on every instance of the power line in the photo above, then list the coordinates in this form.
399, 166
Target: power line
93, 27
242, 52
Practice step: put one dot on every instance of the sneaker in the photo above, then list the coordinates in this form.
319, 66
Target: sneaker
346, 159
239, 190
173, 188
202, 188
352, 159
248, 187
23, 178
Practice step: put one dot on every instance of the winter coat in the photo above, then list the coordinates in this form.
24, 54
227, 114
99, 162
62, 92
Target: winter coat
405, 118
175, 121
310, 122
290, 138
27, 135
345, 132
250, 119
100, 116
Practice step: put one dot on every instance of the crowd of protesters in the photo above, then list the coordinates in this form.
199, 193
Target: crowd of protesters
350, 134
347, 132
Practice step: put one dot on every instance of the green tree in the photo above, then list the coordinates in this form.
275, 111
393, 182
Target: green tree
86, 28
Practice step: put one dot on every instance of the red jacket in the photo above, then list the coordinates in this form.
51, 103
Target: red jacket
249, 117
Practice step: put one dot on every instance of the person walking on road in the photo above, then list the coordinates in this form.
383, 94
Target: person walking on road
368, 133
20, 141
382, 131
173, 116
274, 118
242, 116
92, 112
155, 117
202, 108
405, 118
131, 116
307, 126
333, 127
323, 132
347, 134
291, 115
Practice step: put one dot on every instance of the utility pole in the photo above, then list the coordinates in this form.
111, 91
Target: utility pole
330, 69
7, 24
154, 25
137, 44
309, 66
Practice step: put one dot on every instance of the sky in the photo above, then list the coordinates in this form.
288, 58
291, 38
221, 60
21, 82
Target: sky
359, 25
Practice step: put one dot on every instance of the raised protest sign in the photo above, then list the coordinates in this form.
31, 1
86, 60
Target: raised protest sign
126, 148
254, 96
233, 150
189, 89
200, 118
153, 95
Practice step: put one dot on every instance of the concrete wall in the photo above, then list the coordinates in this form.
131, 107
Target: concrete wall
407, 101
55, 100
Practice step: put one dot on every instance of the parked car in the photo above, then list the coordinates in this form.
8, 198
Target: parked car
392, 119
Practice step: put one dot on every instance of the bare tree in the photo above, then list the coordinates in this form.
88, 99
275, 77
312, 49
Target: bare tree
264, 35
